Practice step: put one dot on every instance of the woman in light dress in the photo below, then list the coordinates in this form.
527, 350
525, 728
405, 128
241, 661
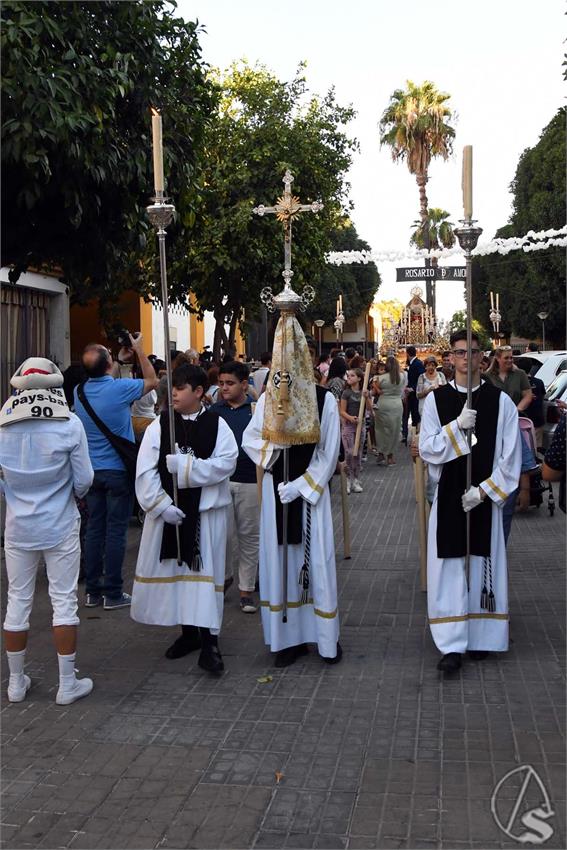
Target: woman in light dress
430, 380
387, 390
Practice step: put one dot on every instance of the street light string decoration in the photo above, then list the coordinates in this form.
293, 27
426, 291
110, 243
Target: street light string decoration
531, 241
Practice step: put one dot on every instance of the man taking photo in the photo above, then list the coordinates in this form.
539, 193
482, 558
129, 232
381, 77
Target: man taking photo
110, 499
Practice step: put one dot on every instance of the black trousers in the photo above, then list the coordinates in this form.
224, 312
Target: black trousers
414, 409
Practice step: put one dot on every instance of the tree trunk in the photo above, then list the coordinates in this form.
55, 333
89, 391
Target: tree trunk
232, 330
220, 338
421, 179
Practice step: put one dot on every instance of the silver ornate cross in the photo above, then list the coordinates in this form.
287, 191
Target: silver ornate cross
286, 209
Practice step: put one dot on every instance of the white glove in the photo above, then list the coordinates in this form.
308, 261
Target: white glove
173, 463
288, 492
471, 499
466, 419
173, 515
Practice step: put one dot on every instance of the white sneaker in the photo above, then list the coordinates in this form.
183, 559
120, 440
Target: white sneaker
80, 688
17, 691
348, 486
356, 486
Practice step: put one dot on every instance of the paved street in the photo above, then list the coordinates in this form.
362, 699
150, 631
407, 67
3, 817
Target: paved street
376, 752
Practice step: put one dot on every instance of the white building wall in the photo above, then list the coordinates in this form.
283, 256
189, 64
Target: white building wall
59, 318
178, 329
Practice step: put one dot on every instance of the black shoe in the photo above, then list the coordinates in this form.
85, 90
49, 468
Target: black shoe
450, 663
210, 659
288, 656
478, 654
337, 657
183, 646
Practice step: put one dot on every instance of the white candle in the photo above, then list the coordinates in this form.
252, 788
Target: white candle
157, 150
492, 300
341, 303
497, 300
467, 181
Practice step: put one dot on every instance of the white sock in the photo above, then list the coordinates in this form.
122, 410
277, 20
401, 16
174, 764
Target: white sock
16, 662
66, 669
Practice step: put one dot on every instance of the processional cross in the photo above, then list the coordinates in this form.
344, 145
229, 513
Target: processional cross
288, 302
288, 206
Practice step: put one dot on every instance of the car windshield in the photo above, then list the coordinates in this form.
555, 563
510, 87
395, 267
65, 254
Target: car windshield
527, 363
557, 387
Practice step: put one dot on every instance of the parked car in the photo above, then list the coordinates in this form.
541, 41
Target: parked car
557, 391
549, 363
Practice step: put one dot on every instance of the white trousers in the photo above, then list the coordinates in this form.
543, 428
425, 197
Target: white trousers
62, 564
243, 539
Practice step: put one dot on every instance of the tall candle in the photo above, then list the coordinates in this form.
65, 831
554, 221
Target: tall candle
497, 300
157, 150
467, 181
341, 303
492, 300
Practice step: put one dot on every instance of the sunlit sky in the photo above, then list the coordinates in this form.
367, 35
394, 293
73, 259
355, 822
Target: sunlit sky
499, 59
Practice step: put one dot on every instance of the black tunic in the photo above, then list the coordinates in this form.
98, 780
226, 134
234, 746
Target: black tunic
299, 460
451, 519
197, 437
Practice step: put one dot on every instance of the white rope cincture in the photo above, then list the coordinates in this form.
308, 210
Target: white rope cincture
531, 241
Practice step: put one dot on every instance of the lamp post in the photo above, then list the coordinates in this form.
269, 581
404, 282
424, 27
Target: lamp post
543, 316
320, 323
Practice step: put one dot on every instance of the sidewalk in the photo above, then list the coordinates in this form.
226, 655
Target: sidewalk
376, 752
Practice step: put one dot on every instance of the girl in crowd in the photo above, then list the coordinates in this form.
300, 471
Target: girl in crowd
429, 380
349, 409
323, 365
213, 379
388, 408
336, 377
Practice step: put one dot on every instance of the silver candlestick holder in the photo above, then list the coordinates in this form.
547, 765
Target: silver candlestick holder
161, 214
468, 236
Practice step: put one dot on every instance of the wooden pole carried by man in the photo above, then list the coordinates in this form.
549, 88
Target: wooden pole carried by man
361, 409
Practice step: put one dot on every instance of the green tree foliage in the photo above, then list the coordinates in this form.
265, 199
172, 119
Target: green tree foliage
438, 232
530, 282
458, 321
416, 125
263, 126
79, 79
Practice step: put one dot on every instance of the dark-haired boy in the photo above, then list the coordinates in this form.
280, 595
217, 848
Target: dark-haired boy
473, 617
189, 594
244, 518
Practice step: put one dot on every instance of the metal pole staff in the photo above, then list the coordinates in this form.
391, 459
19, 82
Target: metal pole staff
468, 236
161, 214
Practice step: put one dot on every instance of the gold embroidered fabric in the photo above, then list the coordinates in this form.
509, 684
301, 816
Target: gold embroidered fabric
291, 417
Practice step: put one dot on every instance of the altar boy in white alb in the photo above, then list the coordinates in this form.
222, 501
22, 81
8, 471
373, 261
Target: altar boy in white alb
312, 416
189, 594
474, 619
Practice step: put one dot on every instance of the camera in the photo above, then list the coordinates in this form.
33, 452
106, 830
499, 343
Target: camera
123, 338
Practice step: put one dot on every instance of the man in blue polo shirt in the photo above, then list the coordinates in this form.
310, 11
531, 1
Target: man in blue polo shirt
244, 533
111, 497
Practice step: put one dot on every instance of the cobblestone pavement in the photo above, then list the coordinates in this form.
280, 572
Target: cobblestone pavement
376, 752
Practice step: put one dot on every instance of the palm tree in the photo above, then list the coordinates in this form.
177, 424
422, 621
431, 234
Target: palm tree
416, 125
438, 234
